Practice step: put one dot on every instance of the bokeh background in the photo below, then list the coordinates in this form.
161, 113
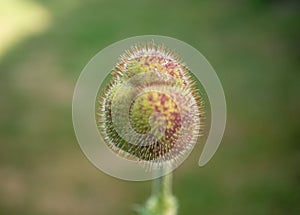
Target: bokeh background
253, 46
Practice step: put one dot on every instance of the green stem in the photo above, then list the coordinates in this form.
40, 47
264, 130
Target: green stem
162, 186
162, 201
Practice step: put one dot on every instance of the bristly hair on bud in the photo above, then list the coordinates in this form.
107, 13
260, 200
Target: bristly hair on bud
151, 111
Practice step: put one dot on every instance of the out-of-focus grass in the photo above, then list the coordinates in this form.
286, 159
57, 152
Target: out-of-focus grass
253, 46
19, 19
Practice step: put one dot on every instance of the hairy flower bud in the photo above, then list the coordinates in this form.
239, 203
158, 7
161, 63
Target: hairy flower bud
150, 110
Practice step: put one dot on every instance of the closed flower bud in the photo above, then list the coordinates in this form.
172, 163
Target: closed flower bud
150, 111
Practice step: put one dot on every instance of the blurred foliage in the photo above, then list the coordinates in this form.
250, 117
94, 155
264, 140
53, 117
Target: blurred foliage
253, 46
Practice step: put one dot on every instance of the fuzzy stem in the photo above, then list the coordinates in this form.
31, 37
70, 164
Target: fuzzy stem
162, 201
162, 186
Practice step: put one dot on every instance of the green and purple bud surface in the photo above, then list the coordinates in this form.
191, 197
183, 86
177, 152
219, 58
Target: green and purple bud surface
150, 110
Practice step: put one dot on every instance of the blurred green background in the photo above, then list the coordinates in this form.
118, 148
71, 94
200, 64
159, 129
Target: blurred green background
253, 46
